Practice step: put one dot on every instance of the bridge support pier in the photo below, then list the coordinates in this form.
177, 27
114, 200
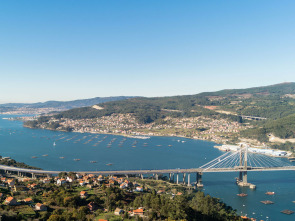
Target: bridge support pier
245, 177
183, 178
141, 175
157, 176
177, 178
240, 176
199, 179
189, 179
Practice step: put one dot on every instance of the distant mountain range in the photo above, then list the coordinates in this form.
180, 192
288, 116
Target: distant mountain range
59, 105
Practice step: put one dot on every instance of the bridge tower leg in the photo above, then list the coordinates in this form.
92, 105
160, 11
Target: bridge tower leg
245, 166
243, 177
199, 179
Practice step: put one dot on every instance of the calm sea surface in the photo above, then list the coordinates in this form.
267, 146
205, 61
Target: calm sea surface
118, 153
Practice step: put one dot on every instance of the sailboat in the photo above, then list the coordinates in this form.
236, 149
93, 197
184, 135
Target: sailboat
54, 144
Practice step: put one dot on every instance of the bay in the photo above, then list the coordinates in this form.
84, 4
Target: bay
111, 152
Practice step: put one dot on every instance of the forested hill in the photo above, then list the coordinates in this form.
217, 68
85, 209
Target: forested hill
146, 110
276, 89
272, 102
275, 102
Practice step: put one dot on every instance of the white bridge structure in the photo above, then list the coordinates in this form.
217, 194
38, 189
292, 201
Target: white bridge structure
240, 161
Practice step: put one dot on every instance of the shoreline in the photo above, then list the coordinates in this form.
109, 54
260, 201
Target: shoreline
256, 143
289, 154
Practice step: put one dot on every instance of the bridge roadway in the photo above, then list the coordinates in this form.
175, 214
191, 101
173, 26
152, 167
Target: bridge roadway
162, 171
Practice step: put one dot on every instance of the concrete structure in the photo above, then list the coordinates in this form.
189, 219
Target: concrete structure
242, 168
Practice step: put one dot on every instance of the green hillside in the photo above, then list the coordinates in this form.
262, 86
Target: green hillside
283, 128
148, 110
269, 102
276, 89
275, 102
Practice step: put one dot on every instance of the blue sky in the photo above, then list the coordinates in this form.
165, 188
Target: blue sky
65, 50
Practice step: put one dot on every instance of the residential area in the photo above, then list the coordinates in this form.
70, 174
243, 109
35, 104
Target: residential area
218, 130
72, 196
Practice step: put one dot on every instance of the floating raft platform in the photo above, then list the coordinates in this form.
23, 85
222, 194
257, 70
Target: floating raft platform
242, 194
267, 202
288, 212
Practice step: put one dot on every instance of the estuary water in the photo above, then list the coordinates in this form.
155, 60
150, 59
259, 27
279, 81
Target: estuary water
53, 150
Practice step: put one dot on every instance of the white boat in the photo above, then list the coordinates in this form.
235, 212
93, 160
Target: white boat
54, 144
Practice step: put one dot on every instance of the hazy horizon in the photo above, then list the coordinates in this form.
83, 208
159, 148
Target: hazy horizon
43, 101
61, 50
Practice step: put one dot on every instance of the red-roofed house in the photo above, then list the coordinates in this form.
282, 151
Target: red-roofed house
139, 189
28, 200
61, 182
10, 201
11, 182
138, 212
83, 194
40, 207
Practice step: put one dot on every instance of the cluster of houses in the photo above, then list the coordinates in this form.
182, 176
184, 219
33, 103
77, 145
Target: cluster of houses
90, 181
127, 124
11, 201
87, 180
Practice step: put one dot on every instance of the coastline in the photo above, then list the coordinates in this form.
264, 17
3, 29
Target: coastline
289, 154
131, 133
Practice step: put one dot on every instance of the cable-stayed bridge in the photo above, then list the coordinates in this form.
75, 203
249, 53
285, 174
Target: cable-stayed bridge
240, 161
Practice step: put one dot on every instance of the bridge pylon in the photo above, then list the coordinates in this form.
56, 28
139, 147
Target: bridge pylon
243, 177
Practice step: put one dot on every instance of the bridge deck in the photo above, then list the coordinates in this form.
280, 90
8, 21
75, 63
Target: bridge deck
162, 171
